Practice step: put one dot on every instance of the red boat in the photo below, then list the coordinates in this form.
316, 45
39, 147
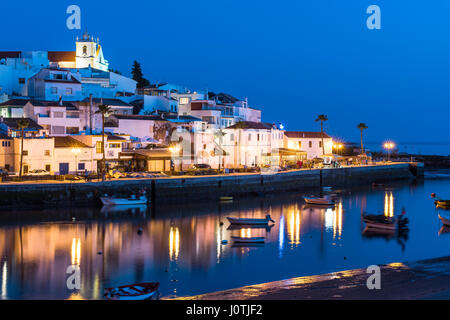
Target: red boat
138, 291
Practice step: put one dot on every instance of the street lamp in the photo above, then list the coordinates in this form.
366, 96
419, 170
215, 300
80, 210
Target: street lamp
389, 146
175, 150
338, 147
76, 151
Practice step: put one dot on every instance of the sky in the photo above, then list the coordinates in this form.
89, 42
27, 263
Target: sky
293, 59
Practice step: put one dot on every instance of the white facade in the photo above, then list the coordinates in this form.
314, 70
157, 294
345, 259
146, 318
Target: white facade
311, 142
89, 53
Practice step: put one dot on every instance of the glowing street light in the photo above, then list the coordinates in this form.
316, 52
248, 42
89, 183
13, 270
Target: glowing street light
175, 150
76, 151
338, 147
389, 146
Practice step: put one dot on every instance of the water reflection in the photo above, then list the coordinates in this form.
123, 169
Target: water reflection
182, 247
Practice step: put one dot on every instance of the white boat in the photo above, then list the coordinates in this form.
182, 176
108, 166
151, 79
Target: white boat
251, 221
133, 200
445, 221
325, 201
248, 240
139, 291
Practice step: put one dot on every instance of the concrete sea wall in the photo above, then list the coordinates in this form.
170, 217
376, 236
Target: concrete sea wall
187, 189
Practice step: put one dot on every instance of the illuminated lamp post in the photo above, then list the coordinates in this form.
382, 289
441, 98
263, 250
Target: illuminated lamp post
76, 151
389, 146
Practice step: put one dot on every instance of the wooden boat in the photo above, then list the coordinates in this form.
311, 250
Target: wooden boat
133, 200
445, 221
444, 204
251, 221
319, 201
248, 240
138, 291
380, 222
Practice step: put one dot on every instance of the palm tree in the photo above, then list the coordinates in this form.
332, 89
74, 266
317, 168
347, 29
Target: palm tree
104, 110
22, 124
322, 118
362, 126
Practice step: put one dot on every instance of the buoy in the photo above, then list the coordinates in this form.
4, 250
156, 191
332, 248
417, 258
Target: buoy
433, 195
139, 231
99, 252
224, 241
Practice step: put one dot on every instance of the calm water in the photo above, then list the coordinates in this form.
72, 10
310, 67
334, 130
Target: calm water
181, 246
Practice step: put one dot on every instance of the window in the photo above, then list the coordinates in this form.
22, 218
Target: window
98, 147
249, 137
320, 144
114, 145
72, 130
58, 130
184, 100
232, 137
21, 80
310, 144
58, 114
47, 153
69, 91
81, 166
48, 167
54, 90
7, 167
25, 152
299, 144
84, 50
25, 168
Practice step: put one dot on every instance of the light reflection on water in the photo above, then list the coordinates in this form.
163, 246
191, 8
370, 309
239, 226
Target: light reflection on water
181, 246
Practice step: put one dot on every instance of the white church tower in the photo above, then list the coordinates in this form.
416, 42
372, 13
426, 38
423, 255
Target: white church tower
89, 54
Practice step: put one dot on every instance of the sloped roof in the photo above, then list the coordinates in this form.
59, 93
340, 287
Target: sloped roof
15, 102
58, 56
43, 103
305, 134
251, 125
109, 102
138, 117
68, 142
10, 54
13, 123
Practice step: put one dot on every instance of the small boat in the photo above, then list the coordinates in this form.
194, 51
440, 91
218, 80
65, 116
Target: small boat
250, 226
377, 184
226, 198
443, 204
138, 291
251, 221
445, 221
248, 240
133, 200
380, 222
324, 201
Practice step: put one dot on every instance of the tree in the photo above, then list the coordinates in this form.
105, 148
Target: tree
104, 110
362, 126
322, 118
138, 76
22, 124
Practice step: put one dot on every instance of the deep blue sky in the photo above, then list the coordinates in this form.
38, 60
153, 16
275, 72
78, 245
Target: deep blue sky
293, 59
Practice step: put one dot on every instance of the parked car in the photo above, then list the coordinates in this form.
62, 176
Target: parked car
201, 166
37, 172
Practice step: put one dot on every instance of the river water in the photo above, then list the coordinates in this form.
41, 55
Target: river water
181, 247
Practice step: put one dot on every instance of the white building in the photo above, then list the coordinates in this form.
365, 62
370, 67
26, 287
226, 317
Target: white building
251, 144
311, 142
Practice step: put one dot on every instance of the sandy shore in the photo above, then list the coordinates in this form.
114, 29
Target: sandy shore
427, 279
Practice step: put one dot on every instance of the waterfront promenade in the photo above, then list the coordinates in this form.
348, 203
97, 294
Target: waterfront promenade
426, 279
202, 188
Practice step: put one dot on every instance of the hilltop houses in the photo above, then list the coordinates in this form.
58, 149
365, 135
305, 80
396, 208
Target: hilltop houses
159, 127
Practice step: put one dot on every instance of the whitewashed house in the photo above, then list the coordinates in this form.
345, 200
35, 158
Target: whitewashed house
311, 142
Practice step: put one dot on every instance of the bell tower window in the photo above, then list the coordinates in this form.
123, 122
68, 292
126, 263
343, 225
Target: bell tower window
84, 50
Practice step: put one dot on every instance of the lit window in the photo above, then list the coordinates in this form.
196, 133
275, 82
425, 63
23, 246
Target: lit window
69, 91
98, 147
54, 90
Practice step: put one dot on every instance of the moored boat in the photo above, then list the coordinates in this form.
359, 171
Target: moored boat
138, 291
379, 222
443, 204
251, 221
248, 240
133, 200
324, 201
445, 220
